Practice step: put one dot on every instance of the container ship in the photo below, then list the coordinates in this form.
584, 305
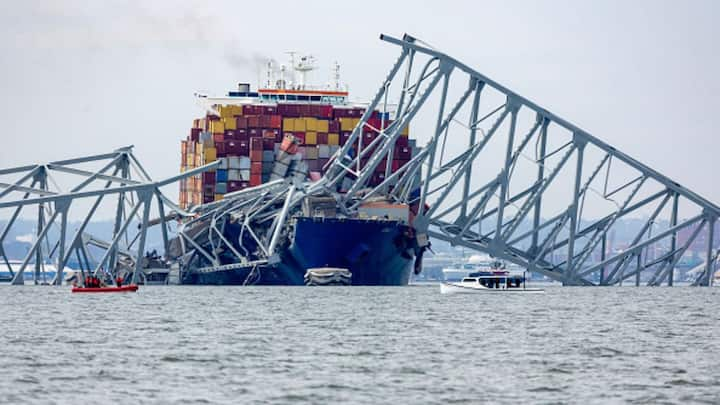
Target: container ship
289, 129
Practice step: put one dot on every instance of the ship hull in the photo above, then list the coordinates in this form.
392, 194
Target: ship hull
377, 252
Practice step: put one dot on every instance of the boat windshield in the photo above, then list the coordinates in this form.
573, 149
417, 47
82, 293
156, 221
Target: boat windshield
470, 280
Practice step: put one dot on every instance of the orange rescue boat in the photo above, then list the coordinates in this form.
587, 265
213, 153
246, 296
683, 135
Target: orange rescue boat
125, 288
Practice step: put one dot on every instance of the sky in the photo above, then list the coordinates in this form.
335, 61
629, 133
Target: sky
85, 77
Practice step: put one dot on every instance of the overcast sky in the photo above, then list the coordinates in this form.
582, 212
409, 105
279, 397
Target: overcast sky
82, 77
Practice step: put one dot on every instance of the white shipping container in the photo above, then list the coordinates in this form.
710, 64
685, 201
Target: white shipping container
223, 163
323, 151
244, 162
234, 175
234, 162
245, 174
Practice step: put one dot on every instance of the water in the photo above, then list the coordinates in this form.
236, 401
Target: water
359, 345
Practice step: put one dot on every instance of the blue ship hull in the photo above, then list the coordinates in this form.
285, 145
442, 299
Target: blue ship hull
377, 252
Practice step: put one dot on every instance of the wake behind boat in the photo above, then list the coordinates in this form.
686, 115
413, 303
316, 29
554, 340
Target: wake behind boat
493, 282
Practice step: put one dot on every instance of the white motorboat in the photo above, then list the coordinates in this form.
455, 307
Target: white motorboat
490, 284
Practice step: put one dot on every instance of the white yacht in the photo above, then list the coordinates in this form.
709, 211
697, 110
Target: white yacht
494, 282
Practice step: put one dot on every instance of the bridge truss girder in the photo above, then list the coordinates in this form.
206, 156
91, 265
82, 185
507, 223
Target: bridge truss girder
546, 226
37, 188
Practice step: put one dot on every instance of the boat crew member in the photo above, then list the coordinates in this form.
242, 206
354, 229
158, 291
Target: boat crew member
119, 281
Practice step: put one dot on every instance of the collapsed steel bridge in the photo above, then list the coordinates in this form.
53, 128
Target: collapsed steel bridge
53, 189
498, 174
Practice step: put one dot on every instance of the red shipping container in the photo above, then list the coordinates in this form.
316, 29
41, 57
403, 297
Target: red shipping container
267, 110
254, 132
373, 123
256, 168
220, 149
339, 112
195, 133
368, 137
270, 133
256, 155
326, 111
233, 186
269, 144
208, 177
322, 138
231, 147
255, 179
300, 136
396, 165
264, 121
220, 138
275, 121
254, 122
403, 153
256, 143
249, 110
381, 166
242, 122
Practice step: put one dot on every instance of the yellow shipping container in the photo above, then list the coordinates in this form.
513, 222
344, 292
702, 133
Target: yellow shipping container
210, 155
348, 124
310, 138
299, 125
333, 139
217, 127
288, 124
230, 123
218, 197
310, 124
322, 126
405, 131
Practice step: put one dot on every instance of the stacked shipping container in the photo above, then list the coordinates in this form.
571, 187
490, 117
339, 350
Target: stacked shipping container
250, 140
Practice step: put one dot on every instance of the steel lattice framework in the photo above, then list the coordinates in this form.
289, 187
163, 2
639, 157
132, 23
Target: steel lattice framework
497, 174
527, 206
38, 187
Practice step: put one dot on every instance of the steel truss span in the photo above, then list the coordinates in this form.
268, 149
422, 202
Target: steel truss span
502, 175
497, 174
52, 191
